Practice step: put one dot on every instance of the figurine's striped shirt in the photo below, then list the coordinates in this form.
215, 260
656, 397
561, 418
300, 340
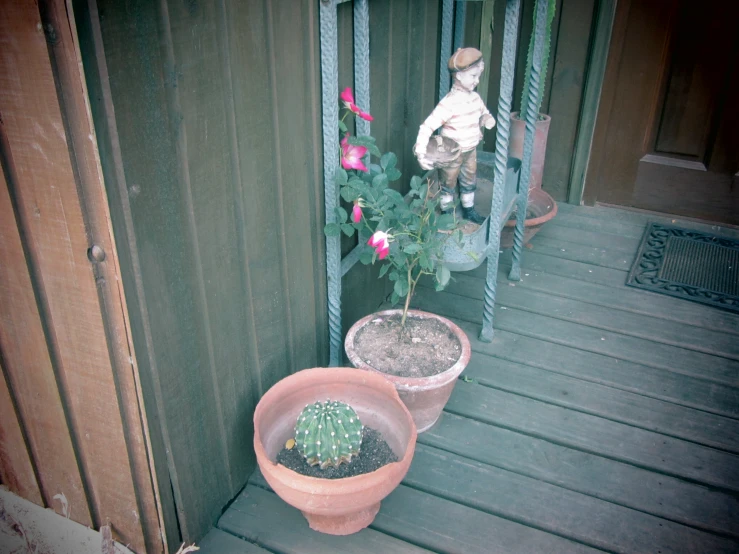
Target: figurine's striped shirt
458, 113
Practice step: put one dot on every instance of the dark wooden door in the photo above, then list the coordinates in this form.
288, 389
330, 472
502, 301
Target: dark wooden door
667, 135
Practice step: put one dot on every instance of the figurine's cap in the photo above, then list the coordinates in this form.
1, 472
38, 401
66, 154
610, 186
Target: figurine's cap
464, 58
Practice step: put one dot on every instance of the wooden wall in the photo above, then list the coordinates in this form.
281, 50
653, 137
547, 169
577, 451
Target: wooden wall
207, 116
72, 432
565, 82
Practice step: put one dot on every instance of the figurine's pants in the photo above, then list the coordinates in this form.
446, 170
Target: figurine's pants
462, 171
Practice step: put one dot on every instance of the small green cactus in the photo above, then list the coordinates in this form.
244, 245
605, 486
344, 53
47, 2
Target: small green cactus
328, 433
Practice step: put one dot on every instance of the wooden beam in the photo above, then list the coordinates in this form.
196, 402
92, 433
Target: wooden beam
16, 467
591, 98
69, 250
67, 66
23, 345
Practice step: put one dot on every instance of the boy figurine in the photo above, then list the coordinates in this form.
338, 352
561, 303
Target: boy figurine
460, 114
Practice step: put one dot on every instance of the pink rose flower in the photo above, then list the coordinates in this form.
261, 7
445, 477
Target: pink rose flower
351, 155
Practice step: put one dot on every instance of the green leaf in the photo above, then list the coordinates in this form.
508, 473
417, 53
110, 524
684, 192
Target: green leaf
388, 160
380, 181
401, 288
383, 270
394, 298
416, 182
355, 182
341, 214
332, 230
341, 177
366, 257
342, 127
348, 229
424, 261
393, 174
446, 222
395, 195
349, 194
413, 248
393, 275
443, 275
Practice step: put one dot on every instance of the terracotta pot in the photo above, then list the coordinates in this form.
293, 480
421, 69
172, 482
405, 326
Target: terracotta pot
542, 207
333, 506
515, 145
425, 397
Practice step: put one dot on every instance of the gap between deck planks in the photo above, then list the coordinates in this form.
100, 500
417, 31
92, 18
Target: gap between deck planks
421, 519
611, 343
605, 370
609, 480
530, 294
606, 402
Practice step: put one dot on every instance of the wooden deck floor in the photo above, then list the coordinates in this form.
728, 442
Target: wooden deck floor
601, 418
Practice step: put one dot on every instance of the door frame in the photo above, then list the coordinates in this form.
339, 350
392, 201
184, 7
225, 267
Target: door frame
596, 71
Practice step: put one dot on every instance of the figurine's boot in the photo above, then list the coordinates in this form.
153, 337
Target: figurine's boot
468, 208
471, 215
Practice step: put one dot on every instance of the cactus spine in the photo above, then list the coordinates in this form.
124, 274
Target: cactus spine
328, 433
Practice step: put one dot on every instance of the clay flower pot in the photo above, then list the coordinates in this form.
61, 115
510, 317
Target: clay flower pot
538, 155
541, 208
425, 397
334, 506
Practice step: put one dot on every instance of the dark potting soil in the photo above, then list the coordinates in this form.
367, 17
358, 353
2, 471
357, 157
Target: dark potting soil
373, 454
425, 347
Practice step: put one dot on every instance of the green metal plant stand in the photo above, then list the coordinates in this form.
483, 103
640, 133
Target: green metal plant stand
505, 199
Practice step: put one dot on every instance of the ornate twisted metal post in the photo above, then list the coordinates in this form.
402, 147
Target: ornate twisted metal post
361, 62
532, 114
330, 95
460, 12
508, 68
447, 16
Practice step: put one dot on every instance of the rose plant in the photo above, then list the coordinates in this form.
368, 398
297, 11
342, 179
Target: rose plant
407, 234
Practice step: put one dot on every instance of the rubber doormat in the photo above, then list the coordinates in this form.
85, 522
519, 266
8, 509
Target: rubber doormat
688, 264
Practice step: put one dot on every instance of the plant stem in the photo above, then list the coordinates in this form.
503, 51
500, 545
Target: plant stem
411, 286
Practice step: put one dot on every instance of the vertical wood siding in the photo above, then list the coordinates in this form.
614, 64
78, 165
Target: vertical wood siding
209, 125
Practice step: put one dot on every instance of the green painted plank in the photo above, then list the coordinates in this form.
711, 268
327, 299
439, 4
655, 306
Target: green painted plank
297, 225
623, 347
210, 189
588, 237
565, 513
606, 370
252, 40
521, 296
596, 476
553, 276
640, 218
563, 266
218, 542
596, 435
601, 225
607, 402
602, 257
262, 517
445, 526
